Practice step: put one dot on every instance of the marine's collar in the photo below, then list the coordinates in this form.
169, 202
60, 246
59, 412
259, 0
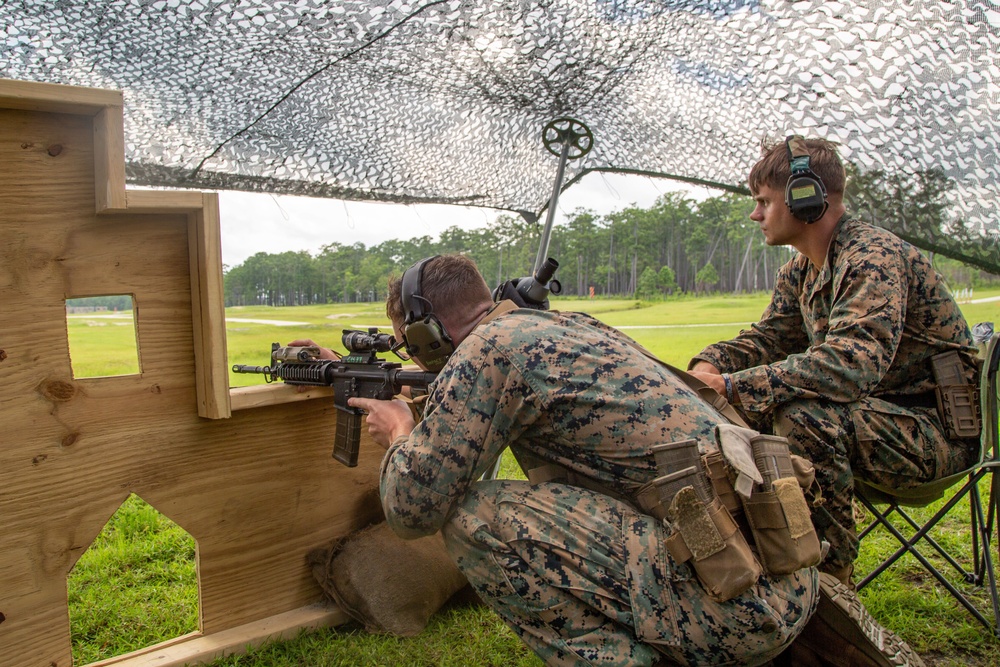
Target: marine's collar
825, 272
496, 311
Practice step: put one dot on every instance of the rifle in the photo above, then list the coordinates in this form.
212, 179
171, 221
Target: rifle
360, 374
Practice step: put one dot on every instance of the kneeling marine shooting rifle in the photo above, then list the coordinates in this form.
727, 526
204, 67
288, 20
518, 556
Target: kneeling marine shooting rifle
360, 374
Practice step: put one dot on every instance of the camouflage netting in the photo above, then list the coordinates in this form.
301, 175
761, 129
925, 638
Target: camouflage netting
445, 100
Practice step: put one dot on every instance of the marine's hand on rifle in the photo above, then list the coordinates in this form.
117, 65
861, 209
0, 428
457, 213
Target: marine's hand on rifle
387, 420
325, 352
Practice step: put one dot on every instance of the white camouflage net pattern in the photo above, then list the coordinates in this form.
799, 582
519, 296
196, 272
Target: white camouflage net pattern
445, 101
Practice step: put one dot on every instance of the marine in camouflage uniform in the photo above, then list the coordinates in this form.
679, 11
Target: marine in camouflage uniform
839, 363
582, 578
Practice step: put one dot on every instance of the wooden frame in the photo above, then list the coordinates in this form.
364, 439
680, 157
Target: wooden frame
248, 472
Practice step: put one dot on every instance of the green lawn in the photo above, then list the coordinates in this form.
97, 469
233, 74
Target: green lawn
136, 585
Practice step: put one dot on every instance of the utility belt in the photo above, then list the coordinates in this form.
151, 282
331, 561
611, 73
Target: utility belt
733, 514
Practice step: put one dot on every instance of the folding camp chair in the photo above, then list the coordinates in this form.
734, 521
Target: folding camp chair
982, 519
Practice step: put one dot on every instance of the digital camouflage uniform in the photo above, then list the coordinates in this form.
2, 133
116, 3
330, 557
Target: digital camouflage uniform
584, 579
840, 364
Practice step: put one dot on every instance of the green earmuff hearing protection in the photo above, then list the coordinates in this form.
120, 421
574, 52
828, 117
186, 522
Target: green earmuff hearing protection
805, 193
423, 334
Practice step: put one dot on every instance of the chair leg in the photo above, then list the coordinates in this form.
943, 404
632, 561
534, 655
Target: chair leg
983, 524
921, 532
941, 550
986, 525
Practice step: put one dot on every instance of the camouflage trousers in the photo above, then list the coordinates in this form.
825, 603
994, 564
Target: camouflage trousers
876, 440
585, 580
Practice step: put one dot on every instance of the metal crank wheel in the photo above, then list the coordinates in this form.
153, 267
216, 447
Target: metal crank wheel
567, 134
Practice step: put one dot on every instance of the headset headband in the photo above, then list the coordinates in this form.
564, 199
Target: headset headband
413, 302
798, 154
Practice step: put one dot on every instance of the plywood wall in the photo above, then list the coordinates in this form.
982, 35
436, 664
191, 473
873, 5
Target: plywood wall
257, 489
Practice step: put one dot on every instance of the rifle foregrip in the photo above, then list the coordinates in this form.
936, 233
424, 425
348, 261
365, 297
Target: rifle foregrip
347, 439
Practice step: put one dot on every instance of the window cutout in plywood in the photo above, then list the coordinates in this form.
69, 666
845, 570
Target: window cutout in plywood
135, 586
102, 336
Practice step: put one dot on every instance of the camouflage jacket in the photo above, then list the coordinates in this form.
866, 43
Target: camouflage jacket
865, 324
561, 387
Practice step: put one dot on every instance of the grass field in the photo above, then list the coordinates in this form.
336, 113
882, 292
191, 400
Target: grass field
136, 585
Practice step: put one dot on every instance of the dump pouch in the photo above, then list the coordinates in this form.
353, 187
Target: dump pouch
805, 472
957, 400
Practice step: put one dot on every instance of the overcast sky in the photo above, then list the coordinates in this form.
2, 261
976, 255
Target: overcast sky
253, 223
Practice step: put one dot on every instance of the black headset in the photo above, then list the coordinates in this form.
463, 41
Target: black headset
805, 193
423, 334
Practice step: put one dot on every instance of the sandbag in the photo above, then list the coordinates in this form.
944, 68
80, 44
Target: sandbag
388, 584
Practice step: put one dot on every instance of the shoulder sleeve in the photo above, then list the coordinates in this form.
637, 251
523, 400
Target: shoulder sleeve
778, 334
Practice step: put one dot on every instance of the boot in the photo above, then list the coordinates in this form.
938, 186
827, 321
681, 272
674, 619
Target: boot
843, 634
845, 575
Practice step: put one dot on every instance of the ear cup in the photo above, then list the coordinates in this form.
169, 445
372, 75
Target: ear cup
805, 197
805, 193
427, 341
425, 337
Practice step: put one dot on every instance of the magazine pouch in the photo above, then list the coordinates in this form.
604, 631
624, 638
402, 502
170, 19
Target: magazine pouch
777, 511
702, 532
718, 476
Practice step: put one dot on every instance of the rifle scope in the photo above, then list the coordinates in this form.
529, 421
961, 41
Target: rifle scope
360, 341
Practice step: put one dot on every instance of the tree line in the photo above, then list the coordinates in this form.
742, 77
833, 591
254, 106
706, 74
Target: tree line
678, 245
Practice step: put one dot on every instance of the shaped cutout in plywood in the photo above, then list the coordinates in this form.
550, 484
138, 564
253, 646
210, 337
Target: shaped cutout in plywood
135, 586
102, 336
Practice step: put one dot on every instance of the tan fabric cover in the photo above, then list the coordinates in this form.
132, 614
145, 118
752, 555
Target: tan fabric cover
389, 584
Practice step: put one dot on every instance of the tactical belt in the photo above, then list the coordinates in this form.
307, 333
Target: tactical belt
927, 399
728, 539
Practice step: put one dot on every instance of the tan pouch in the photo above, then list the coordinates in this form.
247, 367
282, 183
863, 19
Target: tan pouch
805, 472
778, 514
782, 528
707, 536
957, 401
718, 476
